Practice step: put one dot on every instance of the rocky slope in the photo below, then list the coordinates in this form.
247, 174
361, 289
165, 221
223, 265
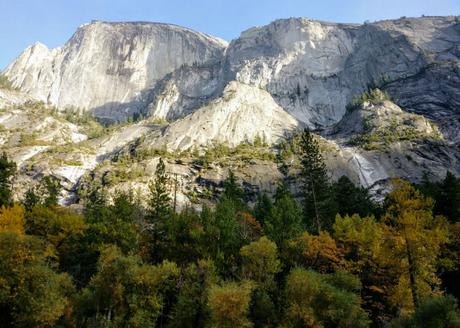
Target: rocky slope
242, 114
206, 105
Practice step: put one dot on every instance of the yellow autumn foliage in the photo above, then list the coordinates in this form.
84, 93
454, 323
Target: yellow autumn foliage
12, 219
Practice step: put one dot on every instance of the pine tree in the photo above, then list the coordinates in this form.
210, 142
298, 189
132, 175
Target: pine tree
316, 186
263, 207
160, 200
159, 212
351, 199
7, 171
232, 190
285, 217
31, 198
448, 201
50, 187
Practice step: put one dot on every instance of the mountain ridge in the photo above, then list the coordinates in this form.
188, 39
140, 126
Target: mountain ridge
191, 94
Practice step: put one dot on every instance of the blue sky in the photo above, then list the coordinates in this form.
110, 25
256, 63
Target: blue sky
52, 22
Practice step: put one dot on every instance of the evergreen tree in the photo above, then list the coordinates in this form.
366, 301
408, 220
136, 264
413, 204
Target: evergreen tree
435, 312
316, 187
351, 199
233, 191
228, 239
446, 195
7, 171
95, 202
50, 188
263, 208
159, 212
31, 198
448, 201
159, 200
284, 221
449, 270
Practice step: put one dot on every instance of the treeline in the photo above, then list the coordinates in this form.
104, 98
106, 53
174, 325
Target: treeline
335, 259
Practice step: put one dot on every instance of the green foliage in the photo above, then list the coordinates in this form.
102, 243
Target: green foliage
159, 209
51, 188
191, 308
5, 83
159, 121
351, 199
228, 265
242, 153
260, 261
318, 207
55, 224
446, 195
283, 218
31, 139
320, 301
116, 224
375, 137
435, 312
7, 172
229, 305
228, 240
32, 293
373, 95
86, 121
125, 292
232, 190
159, 200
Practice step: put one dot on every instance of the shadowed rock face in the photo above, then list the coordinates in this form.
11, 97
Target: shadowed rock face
106, 66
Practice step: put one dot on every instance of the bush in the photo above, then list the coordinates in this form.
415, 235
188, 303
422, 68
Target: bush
5, 83
435, 312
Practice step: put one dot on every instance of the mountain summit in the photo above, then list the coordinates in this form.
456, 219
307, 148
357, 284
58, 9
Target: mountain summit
191, 91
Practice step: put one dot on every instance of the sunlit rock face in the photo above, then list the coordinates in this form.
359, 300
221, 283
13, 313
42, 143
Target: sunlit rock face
242, 114
105, 67
314, 69
190, 91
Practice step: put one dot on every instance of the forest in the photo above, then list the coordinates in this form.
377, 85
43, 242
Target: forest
333, 257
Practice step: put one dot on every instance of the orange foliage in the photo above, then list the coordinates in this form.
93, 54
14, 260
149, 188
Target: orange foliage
316, 252
250, 227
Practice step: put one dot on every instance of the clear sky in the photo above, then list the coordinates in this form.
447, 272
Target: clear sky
52, 22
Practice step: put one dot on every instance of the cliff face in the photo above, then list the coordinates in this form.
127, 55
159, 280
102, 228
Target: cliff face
315, 69
267, 83
105, 67
312, 69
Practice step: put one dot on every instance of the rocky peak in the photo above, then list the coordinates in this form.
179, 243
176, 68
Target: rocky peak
104, 67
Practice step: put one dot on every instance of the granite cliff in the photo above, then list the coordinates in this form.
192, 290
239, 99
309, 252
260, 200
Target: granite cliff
190, 93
